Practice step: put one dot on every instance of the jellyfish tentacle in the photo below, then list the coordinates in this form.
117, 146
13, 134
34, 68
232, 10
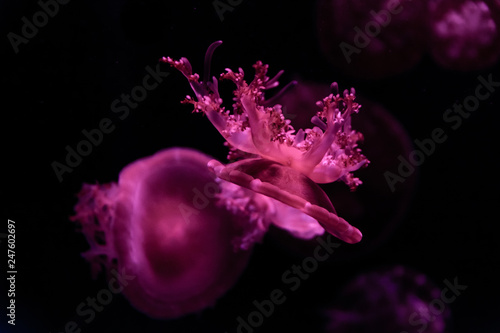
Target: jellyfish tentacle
271, 83
280, 93
208, 59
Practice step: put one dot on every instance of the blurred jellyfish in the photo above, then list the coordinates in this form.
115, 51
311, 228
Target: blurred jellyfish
465, 34
372, 39
277, 161
183, 235
399, 300
375, 208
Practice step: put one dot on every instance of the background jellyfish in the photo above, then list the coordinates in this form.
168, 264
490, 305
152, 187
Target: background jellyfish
376, 39
163, 223
398, 299
464, 34
372, 39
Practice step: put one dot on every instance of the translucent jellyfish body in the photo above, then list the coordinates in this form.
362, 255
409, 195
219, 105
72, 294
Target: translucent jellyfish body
163, 224
465, 34
398, 299
277, 161
372, 39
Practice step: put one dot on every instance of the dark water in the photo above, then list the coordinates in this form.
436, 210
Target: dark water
70, 70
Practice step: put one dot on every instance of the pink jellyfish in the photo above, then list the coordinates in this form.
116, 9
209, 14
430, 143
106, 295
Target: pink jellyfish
279, 162
183, 235
372, 39
465, 33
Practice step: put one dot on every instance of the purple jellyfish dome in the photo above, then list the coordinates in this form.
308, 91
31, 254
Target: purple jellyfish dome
164, 225
398, 300
372, 39
464, 33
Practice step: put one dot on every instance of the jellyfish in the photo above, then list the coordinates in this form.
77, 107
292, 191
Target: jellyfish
181, 234
372, 39
270, 157
465, 34
396, 299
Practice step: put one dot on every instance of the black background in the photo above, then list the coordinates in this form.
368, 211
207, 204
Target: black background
64, 80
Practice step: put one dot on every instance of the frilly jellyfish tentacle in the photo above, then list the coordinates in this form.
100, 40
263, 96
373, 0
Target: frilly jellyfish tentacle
184, 66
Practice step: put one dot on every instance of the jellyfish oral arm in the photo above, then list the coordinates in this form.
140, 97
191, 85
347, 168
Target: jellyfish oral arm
261, 135
332, 223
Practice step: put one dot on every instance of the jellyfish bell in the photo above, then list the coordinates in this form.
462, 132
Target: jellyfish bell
261, 135
164, 226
